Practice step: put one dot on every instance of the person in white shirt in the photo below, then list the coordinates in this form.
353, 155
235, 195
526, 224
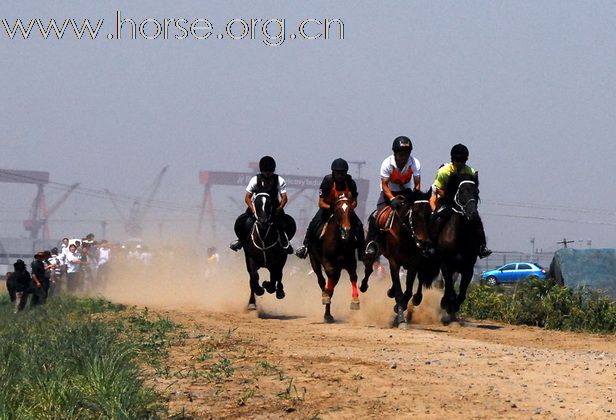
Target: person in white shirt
104, 254
275, 185
73, 268
400, 175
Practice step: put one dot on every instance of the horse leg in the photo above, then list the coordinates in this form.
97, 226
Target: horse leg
253, 271
252, 302
316, 267
352, 270
333, 275
448, 302
276, 278
418, 295
368, 269
400, 307
465, 280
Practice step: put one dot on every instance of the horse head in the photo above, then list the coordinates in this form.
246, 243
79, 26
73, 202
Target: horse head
466, 198
263, 208
342, 215
419, 219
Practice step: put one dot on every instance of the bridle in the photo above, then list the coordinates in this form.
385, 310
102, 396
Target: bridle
257, 228
459, 207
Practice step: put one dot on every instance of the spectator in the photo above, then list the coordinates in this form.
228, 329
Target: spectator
22, 282
73, 265
41, 281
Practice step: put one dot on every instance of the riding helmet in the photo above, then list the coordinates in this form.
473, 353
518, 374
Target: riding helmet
267, 164
340, 165
402, 144
459, 153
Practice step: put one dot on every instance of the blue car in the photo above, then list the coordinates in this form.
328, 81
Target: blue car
512, 273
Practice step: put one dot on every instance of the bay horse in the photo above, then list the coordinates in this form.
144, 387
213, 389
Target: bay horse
263, 248
333, 252
405, 241
456, 242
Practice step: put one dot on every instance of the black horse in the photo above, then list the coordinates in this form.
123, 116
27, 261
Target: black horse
456, 241
405, 242
263, 247
334, 252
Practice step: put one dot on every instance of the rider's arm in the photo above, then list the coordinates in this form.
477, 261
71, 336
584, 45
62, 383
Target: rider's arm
435, 197
386, 189
283, 200
323, 204
417, 180
248, 201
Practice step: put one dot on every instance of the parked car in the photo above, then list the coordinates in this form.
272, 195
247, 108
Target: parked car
512, 273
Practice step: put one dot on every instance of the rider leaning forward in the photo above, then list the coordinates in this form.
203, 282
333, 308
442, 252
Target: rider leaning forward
333, 185
273, 184
457, 166
400, 174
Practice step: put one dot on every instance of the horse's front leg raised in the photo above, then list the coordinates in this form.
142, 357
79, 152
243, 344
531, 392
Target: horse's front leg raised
368, 269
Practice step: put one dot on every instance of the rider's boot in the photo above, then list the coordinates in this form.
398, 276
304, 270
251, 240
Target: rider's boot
484, 251
302, 251
372, 249
236, 245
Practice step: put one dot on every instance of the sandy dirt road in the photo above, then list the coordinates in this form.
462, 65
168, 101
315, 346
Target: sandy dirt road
283, 361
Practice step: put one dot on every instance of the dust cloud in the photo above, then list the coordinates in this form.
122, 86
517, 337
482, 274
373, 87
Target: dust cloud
178, 278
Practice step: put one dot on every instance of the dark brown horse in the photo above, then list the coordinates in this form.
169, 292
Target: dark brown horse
403, 239
263, 248
334, 252
457, 243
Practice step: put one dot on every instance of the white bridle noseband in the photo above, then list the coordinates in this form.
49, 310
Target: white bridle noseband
456, 199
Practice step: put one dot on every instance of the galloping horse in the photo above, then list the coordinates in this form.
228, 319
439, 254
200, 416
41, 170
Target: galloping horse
263, 248
335, 251
457, 243
404, 237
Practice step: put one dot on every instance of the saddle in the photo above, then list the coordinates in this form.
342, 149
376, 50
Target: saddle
385, 218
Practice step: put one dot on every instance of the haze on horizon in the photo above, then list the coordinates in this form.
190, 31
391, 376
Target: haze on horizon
528, 86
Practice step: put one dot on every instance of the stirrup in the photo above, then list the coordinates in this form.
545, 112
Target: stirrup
302, 252
372, 248
236, 245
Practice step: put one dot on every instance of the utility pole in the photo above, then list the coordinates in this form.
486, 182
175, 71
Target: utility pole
565, 242
532, 248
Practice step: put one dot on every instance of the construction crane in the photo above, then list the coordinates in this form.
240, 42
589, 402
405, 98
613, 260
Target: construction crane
133, 224
40, 214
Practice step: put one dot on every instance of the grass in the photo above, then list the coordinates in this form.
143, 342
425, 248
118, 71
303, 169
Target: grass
543, 303
56, 361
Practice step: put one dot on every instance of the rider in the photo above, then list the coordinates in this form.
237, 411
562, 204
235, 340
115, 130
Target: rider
400, 174
273, 184
459, 156
339, 182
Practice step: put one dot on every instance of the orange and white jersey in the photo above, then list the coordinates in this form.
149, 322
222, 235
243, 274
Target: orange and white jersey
400, 179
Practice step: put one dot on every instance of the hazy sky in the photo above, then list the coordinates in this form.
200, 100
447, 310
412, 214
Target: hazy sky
529, 86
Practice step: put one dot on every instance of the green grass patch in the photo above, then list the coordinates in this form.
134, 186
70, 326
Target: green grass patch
542, 303
58, 362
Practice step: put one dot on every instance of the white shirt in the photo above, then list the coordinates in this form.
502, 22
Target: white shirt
72, 262
400, 179
103, 256
252, 185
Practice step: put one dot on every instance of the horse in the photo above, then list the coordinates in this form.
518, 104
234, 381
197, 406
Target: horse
405, 242
456, 242
263, 248
333, 252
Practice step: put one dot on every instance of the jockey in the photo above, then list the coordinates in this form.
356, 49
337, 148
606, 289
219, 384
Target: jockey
400, 174
339, 182
273, 184
459, 156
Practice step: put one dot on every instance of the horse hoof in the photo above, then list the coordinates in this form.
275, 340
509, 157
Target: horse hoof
355, 306
403, 326
280, 294
329, 319
390, 293
252, 307
259, 291
269, 286
363, 287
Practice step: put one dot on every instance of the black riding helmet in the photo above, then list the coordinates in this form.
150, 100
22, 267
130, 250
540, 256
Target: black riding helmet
402, 144
459, 153
267, 164
340, 165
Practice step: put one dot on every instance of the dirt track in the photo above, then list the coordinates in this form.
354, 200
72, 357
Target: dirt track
285, 362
